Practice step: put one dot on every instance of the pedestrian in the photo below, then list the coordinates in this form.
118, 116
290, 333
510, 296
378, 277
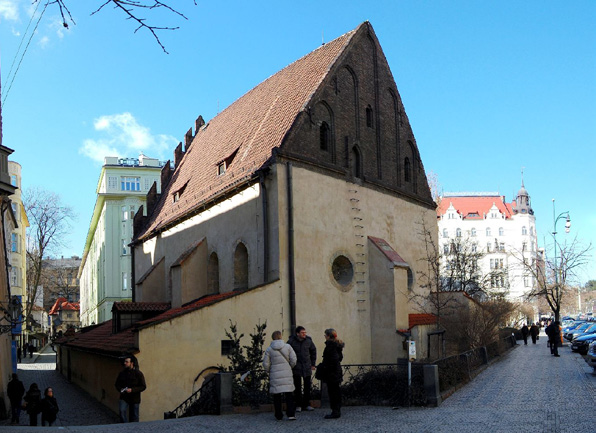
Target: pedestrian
278, 360
19, 353
130, 383
306, 355
32, 403
329, 371
525, 332
15, 392
31, 348
534, 331
555, 335
49, 408
25, 349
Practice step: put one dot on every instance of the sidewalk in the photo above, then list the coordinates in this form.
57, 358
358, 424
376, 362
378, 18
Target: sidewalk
527, 391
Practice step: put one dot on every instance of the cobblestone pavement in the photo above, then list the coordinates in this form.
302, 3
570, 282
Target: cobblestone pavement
527, 391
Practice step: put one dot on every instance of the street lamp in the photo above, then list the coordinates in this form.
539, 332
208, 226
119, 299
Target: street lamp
567, 229
11, 311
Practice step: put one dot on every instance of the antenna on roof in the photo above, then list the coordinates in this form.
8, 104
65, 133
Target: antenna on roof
322, 37
522, 172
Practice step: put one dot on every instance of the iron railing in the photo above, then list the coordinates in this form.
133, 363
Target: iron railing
204, 401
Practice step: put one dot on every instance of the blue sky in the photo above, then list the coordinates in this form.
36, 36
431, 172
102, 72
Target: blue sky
489, 88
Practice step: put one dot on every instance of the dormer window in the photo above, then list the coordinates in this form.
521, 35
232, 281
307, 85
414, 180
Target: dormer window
223, 165
221, 168
177, 194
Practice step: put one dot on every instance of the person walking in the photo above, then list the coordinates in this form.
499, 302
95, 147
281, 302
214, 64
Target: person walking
32, 403
555, 335
15, 392
19, 353
31, 349
49, 408
525, 332
534, 331
278, 360
25, 349
130, 383
331, 372
306, 355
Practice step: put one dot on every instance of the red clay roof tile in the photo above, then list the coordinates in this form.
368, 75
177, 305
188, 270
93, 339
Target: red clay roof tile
421, 319
101, 340
475, 207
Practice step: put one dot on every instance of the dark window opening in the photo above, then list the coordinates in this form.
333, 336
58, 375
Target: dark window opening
213, 273
369, 116
226, 347
407, 170
356, 163
240, 267
324, 136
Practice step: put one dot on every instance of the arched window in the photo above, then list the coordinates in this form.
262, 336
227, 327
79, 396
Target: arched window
240, 267
524, 230
369, 116
407, 173
458, 232
356, 163
488, 231
501, 231
445, 233
324, 136
213, 273
473, 232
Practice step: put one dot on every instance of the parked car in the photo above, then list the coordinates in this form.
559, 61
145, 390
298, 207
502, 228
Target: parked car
577, 331
591, 355
582, 343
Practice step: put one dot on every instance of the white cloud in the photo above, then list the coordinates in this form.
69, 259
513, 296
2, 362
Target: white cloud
9, 10
44, 41
123, 136
15, 32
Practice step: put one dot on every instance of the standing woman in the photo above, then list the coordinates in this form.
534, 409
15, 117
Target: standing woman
332, 374
32, 403
49, 408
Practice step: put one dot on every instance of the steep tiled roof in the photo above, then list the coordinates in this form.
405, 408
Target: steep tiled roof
185, 309
421, 319
248, 130
62, 304
101, 340
139, 307
475, 207
389, 252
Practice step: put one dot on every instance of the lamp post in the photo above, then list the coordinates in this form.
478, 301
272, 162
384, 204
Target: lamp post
567, 228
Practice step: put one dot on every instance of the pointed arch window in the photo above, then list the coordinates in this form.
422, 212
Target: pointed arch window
407, 170
356, 163
324, 136
213, 273
369, 116
240, 267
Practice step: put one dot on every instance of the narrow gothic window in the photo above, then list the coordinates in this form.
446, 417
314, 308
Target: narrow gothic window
240, 267
213, 273
324, 136
356, 163
369, 116
407, 174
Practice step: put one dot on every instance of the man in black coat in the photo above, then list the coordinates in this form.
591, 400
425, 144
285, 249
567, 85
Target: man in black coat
130, 383
306, 353
15, 392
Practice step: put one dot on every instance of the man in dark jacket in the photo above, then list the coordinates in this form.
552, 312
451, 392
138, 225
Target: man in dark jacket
15, 392
306, 352
130, 383
534, 331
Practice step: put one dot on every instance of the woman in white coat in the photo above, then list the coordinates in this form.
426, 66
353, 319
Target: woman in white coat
278, 362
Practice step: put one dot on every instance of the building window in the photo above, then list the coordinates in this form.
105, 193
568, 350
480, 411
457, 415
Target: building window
13, 180
473, 232
524, 246
458, 232
124, 281
526, 282
124, 213
342, 270
488, 231
410, 280
356, 163
369, 116
446, 249
407, 174
324, 136
14, 243
492, 263
226, 347
240, 267
213, 273
524, 230
130, 183
69, 315
488, 246
501, 246
124, 247
221, 169
474, 248
501, 231
445, 233
132, 212
531, 231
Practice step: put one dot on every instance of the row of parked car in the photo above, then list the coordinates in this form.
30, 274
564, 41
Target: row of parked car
582, 336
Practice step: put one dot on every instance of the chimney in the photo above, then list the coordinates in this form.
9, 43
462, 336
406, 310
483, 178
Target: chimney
187, 140
166, 174
178, 154
152, 198
139, 220
199, 123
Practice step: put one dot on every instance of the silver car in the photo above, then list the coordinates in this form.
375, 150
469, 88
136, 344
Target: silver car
591, 356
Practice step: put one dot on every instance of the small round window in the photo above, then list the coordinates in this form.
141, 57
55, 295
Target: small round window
342, 270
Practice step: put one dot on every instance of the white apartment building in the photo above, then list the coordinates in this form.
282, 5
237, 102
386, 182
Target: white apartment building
105, 272
505, 232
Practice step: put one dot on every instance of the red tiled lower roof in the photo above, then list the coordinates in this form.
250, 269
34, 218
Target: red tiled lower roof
101, 340
62, 304
475, 207
139, 307
421, 319
389, 252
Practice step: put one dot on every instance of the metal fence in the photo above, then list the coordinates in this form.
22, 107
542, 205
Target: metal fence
203, 402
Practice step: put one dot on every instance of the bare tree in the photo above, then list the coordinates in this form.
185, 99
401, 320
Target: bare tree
133, 10
50, 221
554, 277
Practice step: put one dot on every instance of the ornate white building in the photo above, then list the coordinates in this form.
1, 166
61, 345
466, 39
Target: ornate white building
505, 232
105, 272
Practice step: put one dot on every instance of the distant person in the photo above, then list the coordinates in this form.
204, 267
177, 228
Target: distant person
278, 360
525, 332
15, 392
19, 353
32, 403
306, 355
331, 372
31, 349
130, 383
25, 349
49, 408
534, 331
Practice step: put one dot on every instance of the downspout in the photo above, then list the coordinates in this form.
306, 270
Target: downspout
291, 276
133, 286
265, 227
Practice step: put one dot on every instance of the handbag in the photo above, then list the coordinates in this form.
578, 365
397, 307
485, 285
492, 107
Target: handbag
320, 372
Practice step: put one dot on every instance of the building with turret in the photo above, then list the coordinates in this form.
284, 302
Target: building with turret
505, 232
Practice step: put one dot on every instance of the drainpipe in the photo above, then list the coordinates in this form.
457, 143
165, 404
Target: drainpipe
265, 227
291, 276
133, 286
